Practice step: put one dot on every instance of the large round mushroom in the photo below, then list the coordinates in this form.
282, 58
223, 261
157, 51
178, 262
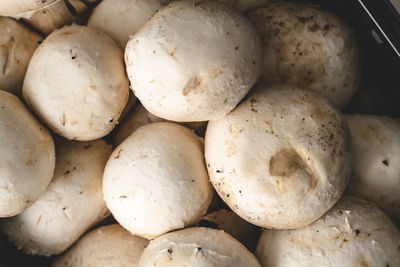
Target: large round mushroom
308, 47
353, 233
76, 83
197, 246
281, 159
27, 157
194, 61
156, 180
376, 168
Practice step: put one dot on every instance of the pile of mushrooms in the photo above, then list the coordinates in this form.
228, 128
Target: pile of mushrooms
190, 133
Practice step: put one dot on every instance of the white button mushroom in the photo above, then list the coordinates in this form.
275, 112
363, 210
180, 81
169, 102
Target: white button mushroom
376, 168
27, 156
156, 180
308, 47
15, 7
197, 246
17, 44
228, 221
194, 61
109, 245
139, 117
56, 15
109, 15
76, 83
72, 203
353, 233
281, 159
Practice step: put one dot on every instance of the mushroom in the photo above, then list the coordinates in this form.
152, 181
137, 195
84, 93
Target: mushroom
27, 156
76, 83
232, 224
156, 181
376, 167
308, 47
281, 159
54, 16
72, 203
17, 44
109, 15
197, 246
15, 7
138, 117
109, 245
353, 233
194, 61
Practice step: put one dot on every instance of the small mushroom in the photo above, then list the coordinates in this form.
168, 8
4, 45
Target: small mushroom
281, 159
353, 233
27, 156
156, 181
232, 224
76, 83
308, 47
72, 203
138, 117
109, 15
109, 245
376, 164
194, 61
197, 246
17, 44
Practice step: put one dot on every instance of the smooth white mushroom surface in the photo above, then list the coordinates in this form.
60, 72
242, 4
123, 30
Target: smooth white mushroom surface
122, 18
72, 203
194, 61
197, 246
376, 169
281, 159
17, 44
56, 15
106, 246
310, 48
15, 7
76, 83
27, 156
156, 180
139, 117
353, 233
232, 224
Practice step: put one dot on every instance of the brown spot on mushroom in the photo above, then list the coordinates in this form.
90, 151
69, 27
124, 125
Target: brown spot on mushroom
385, 162
192, 86
118, 154
252, 101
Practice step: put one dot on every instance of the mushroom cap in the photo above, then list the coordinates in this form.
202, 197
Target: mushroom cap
72, 203
27, 156
139, 117
76, 83
376, 167
15, 7
17, 44
156, 181
353, 233
232, 224
310, 48
54, 16
194, 61
197, 246
109, 15
281, 159
109, 245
